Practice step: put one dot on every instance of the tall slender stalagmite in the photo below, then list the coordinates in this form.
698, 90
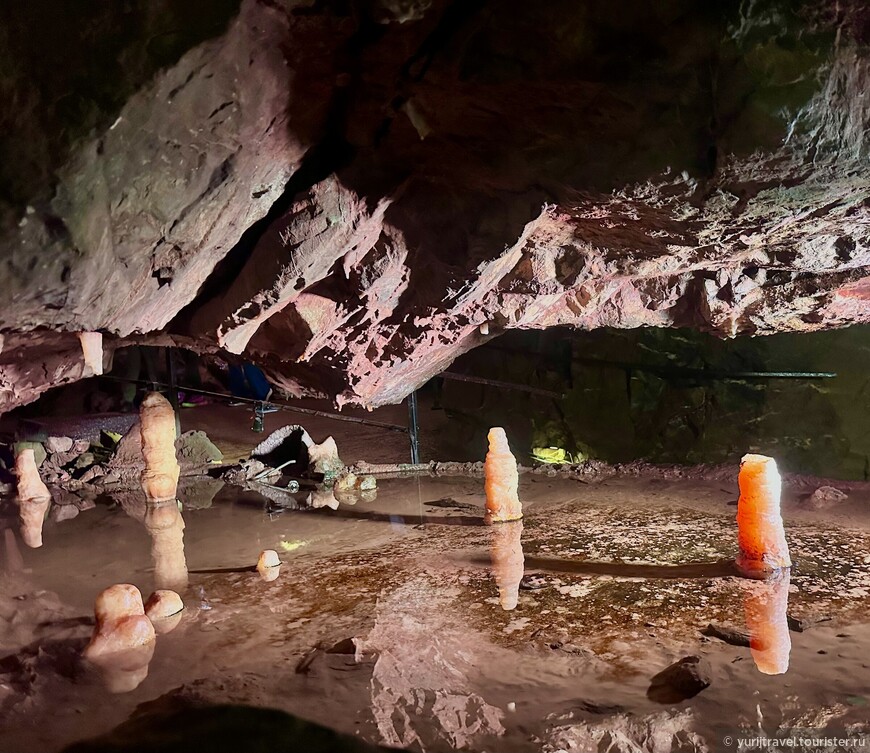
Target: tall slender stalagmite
502, 480
34, 499
508, 562
157, 427
760, 535
766, 607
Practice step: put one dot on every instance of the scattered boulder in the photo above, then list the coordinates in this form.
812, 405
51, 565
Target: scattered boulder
196, 451
54, 445
351, 488
727, 634
800, 624
244, 471
39, 453
323, 458
85, 460
825, 497
680, 681
94, 472
345, 646
59, 513
294, 443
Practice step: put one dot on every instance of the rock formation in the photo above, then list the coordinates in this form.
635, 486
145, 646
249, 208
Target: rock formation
502, 480
760, 534
123, 640
34, 499
269, 565
157, 428
354, 199
164, 608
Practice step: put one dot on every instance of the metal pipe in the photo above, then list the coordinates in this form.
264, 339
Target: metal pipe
282, 406
707, 373
496, 383
413, 428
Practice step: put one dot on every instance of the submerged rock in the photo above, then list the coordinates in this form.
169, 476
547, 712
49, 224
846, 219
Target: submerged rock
680, 681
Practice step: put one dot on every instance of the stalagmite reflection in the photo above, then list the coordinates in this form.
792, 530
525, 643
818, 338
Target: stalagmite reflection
766, 608
123, 640
506, 551
34, 499
165, 525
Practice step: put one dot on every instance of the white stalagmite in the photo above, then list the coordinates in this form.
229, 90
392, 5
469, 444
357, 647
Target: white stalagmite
92, 350
34, 499
157, 428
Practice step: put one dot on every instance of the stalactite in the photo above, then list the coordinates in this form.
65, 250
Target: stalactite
92, 350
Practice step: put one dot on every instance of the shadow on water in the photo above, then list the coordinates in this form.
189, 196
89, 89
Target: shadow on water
718, 569
410, 519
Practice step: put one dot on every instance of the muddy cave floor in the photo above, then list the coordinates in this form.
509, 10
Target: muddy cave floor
439, 664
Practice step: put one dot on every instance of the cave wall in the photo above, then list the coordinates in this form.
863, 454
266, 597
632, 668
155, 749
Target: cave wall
642, 394
355, 193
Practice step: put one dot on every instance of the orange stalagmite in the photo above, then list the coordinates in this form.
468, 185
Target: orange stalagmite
760, 535
157, 426
766, 607
502, 480
508, 562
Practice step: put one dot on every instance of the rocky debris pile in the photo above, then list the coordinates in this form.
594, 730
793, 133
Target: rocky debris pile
76, 470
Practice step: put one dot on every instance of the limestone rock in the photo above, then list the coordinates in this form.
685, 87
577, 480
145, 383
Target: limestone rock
55, 445
825, 497
680, 681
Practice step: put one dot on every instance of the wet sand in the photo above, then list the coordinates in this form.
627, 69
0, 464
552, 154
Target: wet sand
620, 579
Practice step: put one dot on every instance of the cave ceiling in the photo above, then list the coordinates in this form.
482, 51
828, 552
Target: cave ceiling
353, 194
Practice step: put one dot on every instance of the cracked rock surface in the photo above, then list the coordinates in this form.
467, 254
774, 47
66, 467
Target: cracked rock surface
353, 195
